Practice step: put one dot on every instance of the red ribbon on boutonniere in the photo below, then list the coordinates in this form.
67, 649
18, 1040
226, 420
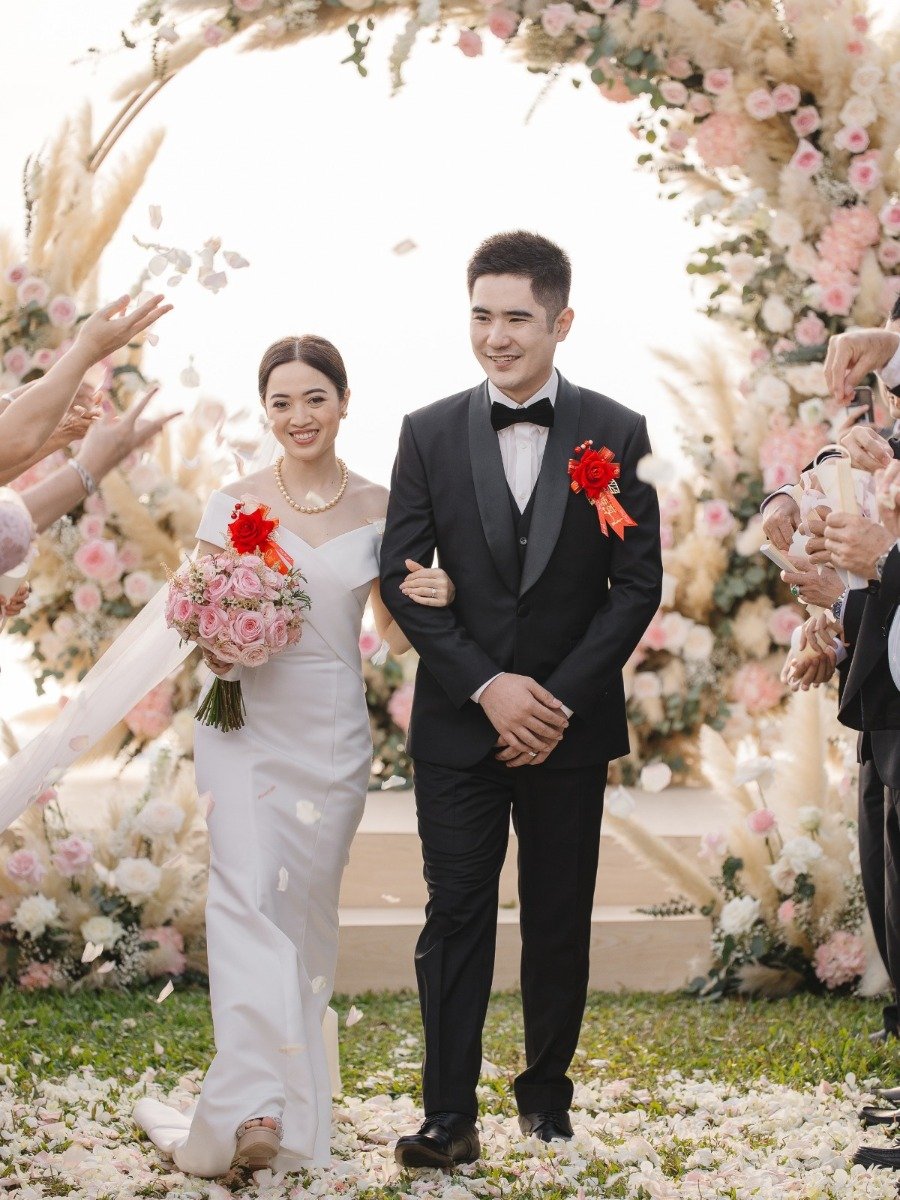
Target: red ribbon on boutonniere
251, 533
595, 473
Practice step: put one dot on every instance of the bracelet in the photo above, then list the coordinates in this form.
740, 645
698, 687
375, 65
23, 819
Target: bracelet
84, 475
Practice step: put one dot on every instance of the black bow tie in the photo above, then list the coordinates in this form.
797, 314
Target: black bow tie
540, 413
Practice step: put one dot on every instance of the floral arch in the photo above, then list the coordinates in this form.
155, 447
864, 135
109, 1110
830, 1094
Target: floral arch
782, 118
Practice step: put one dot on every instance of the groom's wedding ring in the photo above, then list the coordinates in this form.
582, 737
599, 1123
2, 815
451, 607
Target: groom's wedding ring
532, 753
795, 591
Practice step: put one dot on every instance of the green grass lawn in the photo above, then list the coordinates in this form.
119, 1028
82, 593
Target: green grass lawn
796, 1041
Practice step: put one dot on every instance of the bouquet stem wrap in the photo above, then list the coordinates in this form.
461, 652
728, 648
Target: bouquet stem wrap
223, 706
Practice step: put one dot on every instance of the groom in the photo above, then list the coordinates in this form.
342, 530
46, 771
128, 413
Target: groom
519, 704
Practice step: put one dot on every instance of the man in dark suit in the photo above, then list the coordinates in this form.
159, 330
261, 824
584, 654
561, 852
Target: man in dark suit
519, 704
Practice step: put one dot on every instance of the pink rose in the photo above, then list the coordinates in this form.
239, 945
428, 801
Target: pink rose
218, 587
786, 97
756, 688
854, 138
97, 559
139, 586
759, 356
86, 598
673, 92
213, 35
806, 121
32, 291
841, 959
601, 6
211, 622
700, 105
73, 855
719, 80
24, 866
17, 361
716, 518
37, 976
167, 957
786, 912
679, 67
807, 159
761, 821
890, 217
152, 716
503, 22
889, 255
16, 274
246, 628
724, 140
44, 358
760, 104
656, 635
246, 583
91, 527
857, 48
130, 556
556, 18
470, 43
62, 312
811, 330
369, 643
399, 706
277, 633
182, 610
254, 655
837, 299
864, 175
227, 651
777, 474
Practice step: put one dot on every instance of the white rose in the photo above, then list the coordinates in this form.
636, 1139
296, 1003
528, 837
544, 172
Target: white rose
785, 229
808, 379
647, 685
102, 931
137, 878
801, 853
669, 589
772, 392
811, 412
698, 645
656, 777
749, 540
34, 914
802, 259
783, 876
139, 586
742, 268
159, 819
859, 110
776, 315
739, 915
810, 818
677, 628
866, 79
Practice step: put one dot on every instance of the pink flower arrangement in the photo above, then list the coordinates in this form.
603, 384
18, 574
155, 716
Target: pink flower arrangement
724, 140
87, 598
400, 706
673, 92
73, 855
678, 66
841, 959
811, 330
807, 159
783, 620
37, 976
864, 174
32, 291
97, 559
760, 104
16, 274
17, 361
470, 43
503, 22
890, 217
889, 254
24, 866
837, 299
167, 957
557, 18
719, 80
786, 97
756, 688
62, 312
717, 519
761, 821
152, 716
854, 138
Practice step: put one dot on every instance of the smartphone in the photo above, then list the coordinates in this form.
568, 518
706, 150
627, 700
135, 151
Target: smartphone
864, 397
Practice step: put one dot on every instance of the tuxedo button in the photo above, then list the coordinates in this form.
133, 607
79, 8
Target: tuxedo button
523, 541
523, 610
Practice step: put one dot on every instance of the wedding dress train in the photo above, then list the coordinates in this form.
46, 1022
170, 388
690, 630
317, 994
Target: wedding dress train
287, 794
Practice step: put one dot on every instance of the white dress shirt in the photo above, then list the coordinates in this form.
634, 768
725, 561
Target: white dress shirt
890, 374
522, 450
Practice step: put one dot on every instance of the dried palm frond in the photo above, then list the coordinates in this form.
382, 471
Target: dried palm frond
679, 869
772, 983
137, 524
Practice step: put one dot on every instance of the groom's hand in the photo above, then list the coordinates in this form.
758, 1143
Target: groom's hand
529, 720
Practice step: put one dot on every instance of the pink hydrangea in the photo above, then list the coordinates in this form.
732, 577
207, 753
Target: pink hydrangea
167, 957
24, 866
719, 80
152, 716
73, 855
761, 821
724, 140
864, 174
86, 598
807, 159
756, 688
760, 104
557, 18
717, 519
811, 330
470, 43
62, 312
783, 620
369, 643
837, 299
399, 705
37, 976
503, 22
97, 559
841, 959
890, 217
787, 448
858, 224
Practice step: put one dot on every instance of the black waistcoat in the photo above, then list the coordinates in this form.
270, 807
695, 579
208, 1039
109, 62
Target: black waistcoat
522, 523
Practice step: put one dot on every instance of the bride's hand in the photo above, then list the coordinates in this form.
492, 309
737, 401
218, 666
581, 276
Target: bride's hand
216, 665
428, 585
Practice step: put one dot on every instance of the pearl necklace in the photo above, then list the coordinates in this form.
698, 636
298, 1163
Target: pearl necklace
302, 508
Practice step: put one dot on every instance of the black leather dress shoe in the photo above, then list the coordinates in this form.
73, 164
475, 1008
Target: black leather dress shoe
444, 1140
877, 1156
889, 1095
547, 1125
880, 1036
872, 1115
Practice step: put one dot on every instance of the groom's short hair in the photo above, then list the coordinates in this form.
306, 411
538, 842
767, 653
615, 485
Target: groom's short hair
544, 263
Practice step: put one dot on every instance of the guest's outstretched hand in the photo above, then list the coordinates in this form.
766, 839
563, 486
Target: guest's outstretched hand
868, 450
887, 492
781, 517
110, 440
855, 543
106, 330
854, 355
814, 586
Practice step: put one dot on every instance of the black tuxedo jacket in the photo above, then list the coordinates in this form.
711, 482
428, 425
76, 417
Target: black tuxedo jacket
569, 616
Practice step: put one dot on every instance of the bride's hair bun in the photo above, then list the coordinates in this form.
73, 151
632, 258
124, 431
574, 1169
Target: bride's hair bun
316, 352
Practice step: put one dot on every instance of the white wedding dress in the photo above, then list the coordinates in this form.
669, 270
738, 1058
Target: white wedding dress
287, 795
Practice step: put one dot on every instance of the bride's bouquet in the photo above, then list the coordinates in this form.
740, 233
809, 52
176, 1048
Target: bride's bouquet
242, 605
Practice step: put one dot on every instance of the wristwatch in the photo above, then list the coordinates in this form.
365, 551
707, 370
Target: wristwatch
879, 563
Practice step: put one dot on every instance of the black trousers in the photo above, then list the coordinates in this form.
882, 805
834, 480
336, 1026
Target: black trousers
463, 818
875, 812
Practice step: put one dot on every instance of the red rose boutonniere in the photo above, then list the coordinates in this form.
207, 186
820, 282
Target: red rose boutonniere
595, 473
251, 533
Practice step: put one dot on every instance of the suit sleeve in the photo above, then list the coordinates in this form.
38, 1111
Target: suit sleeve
635, 577
458, 664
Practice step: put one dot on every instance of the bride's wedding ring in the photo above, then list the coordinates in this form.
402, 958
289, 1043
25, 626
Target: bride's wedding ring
434, 593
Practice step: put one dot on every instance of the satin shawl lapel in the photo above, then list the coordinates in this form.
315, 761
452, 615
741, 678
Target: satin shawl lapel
491, 490
552, 491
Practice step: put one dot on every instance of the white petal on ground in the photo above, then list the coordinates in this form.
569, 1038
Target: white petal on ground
490, 1070
282, 879
354, 1016
389, 899
91, 951
307, 813
155, 213
394, 782
656, 777
166, 992
105, 968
